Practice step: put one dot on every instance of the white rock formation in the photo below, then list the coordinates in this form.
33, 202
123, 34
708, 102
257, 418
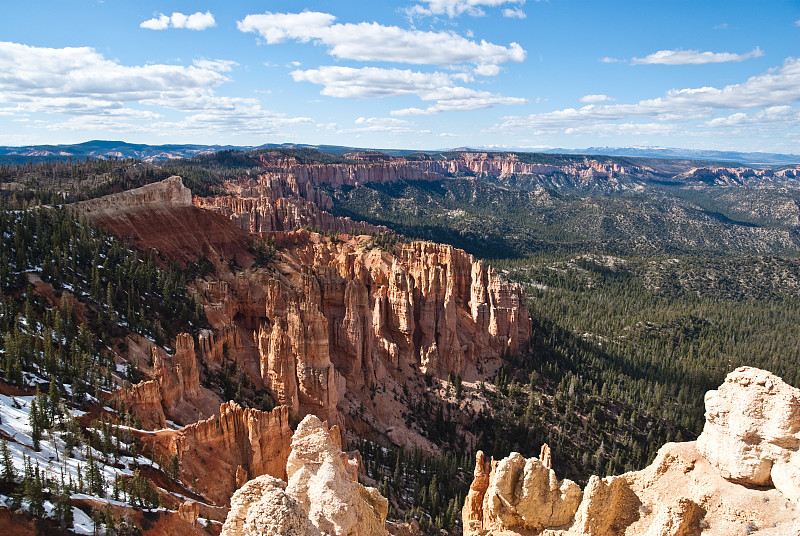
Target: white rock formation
263, 508
319, 478
524, 494
751, 437
322, 497
752, 430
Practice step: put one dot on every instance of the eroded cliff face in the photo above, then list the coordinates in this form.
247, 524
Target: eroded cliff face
174, 392
219, 454
288, 194
274, 201
340, 325
718, 485
161, 216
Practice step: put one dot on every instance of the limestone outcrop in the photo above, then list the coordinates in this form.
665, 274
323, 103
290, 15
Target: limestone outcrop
318, 477
521, 495
263, 508
177, 374
174, 392
752, 430
143, 400
161, 216
338, 320
170, 192
322, 495
750, 438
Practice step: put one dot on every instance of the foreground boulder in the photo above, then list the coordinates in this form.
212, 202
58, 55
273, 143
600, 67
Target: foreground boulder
752, 430
263, 508
741, 476
322, 496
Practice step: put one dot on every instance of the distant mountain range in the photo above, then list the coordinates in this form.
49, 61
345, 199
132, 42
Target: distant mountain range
752, 159
104, 149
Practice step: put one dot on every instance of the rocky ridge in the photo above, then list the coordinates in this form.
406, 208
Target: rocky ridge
740, 476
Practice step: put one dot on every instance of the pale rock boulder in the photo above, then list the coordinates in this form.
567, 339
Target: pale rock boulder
608, 507
682, 518
322, 498
525, 495
189, 511
322, 483
752, 430
263, 508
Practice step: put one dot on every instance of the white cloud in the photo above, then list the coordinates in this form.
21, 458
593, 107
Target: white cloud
279, 27
454, 8
195, 21
592, 99
515, 13
100, 93
382, 124
797, 22
487, 70
778, 116
156, 23
374, 42
31, 73
693, 57
460, 99
775, 91
373, 82
611, 60
220, 66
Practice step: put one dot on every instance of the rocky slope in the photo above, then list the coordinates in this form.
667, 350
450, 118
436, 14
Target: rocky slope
740, 476
161, 216
342, 326
219, 454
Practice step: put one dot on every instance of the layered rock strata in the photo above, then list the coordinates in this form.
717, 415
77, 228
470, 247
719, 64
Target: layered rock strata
737, 478
321, 497
161, 216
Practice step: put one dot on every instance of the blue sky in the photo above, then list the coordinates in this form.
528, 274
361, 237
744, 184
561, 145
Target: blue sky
419, 74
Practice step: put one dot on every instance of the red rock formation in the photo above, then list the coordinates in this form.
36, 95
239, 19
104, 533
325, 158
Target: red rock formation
212, 452
342, 317
472, 513
161, 216
337, 319
144, 400
273, 202
177, 374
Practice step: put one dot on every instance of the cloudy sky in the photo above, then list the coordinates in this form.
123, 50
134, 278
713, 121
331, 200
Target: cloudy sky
423, 74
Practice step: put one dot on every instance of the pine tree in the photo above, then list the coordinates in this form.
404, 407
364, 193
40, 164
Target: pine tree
63, 507
34, 421
9, 472
34, 492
